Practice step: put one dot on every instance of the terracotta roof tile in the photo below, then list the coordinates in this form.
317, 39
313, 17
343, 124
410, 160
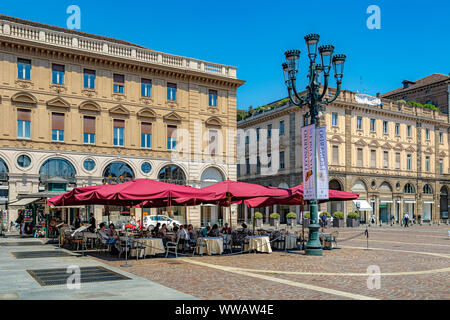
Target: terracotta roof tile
433, 78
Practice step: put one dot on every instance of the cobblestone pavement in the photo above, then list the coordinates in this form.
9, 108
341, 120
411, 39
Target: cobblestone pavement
414, 264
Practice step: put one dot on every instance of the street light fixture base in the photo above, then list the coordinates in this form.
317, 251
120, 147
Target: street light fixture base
313, 251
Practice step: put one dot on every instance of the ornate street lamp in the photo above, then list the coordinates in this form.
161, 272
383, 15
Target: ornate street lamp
316, 101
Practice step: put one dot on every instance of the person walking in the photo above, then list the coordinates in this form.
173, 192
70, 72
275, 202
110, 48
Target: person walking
406, 217
419, 217
372, 221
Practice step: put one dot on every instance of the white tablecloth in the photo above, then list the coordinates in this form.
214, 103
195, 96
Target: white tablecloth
258, 243
214, 245
152, 246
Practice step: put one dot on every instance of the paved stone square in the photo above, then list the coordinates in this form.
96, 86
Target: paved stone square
413, 262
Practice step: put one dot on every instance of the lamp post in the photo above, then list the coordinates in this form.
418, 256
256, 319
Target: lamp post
317, 102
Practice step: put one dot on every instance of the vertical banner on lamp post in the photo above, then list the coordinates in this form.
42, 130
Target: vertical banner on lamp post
309, 166
322, 164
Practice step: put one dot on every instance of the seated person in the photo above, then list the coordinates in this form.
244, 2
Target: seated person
156, 229
192, 233
108, 240
226, 229
162, 233
204, 232
111, 232
214, 232
244, 228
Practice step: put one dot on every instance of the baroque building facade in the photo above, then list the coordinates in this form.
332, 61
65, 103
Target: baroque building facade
80, 109
396, 156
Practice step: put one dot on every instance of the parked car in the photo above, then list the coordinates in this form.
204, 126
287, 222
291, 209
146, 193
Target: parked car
153, 220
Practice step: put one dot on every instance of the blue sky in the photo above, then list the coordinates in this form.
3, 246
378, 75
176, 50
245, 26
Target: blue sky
413, 41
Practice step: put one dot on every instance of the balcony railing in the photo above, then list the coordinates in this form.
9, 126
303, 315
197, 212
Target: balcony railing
66, 40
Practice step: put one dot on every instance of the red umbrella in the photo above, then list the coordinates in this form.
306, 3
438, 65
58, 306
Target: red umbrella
228, 192
135, 192
296, 198
65, 198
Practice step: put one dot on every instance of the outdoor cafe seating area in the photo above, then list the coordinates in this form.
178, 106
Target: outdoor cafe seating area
184, 240
146, 244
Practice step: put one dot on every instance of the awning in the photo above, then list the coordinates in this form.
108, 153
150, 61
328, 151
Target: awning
363, 205
428, 202
409, 201
386, 201
23, 202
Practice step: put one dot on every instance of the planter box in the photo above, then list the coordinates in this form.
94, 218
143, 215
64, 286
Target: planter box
275, 222
306, 221
338, 223
352, 223
291, 222
259, 222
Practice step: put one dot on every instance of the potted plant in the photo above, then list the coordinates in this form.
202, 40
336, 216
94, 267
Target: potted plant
291, 218
306, 218
338, 219
352, 219
258, 217
274, 219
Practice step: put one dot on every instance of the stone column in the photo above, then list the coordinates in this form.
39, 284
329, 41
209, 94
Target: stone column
245, 213
267, 214
297, 211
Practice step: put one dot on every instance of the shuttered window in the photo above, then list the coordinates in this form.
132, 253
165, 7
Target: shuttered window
146, 135
58, 126
23, 123
89, 130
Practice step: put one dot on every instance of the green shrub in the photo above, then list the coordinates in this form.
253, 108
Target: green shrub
338, 215
401, 101
258, 215
306, 215
291, 215
327, 213
274, 215
352, 215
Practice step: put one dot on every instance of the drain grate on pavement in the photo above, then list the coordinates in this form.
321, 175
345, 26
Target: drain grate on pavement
20, 244
53, 277
41, 254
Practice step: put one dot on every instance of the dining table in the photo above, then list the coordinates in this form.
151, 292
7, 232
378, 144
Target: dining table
258, 243
213, 245
152, 246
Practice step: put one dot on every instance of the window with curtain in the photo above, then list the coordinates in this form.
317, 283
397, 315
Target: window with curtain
397, 129
408, 131
89, 130
385, 127
281, 127
171, 91
118, 83
258, 165
373, 158
441, 166
58, 73
427, 134
282, 164
385, 159
427, 164
409, 162
119, 129
335, 154
334, 119
359, 123
23, 123
58, 127
89, 79
146, 88
269, 131
23, 69
359, 155
372, 125
212, 98
146, 135
213, 142
171, 137
397, 160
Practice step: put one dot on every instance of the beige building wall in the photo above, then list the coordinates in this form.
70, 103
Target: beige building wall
77, 51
